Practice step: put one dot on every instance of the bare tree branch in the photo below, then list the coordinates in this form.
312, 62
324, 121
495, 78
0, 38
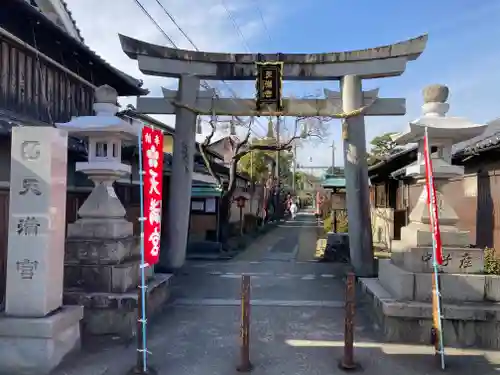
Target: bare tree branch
203, 151
244, 142
209, 137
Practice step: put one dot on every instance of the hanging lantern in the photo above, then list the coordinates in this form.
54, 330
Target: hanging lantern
199, 129
270, 128
240, 201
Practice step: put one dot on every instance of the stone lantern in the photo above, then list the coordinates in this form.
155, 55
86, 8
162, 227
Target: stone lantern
403, 292
101, 266
443, 131
105, 134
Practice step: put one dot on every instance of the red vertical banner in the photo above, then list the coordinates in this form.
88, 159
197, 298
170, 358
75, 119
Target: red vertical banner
432, 202
152, 160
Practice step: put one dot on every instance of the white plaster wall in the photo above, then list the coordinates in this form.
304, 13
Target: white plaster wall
251, 206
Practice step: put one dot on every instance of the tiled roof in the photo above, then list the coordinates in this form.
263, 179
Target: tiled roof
68, 12
65, 5
486, 141
137, 83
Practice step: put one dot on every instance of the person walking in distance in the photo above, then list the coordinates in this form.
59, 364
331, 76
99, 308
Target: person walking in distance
293, 209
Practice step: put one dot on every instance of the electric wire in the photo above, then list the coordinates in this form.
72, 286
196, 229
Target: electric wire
261, 15
235, 25
204, 84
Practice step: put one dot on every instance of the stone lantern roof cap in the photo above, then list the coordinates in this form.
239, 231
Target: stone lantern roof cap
456, 129
439, 126
105, 122
98, 126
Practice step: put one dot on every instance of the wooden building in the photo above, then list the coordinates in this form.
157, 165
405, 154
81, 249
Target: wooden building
475, 198
47, 75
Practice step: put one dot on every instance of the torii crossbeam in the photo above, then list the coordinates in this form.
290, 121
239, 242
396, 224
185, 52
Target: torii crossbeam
206, 105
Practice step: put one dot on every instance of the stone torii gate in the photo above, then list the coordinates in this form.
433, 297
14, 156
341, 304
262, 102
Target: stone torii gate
352, 104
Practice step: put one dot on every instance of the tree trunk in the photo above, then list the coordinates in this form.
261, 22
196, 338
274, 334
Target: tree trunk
224, 216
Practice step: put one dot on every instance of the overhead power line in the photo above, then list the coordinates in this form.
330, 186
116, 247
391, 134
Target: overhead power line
261, 15
204, 84
235, 25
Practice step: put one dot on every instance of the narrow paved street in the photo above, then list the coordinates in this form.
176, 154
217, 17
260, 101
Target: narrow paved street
297, 319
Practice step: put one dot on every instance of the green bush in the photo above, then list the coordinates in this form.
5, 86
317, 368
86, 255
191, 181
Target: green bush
328, 224
491, 262
342, 224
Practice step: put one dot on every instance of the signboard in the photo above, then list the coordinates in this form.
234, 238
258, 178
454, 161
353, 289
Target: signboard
269, 84
152, 159
338, 201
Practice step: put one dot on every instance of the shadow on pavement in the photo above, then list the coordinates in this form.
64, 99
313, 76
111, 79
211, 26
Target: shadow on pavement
376, 358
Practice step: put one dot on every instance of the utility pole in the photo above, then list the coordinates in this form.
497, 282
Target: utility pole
294, 165
251, 179
278, 152
278, 189
333, 157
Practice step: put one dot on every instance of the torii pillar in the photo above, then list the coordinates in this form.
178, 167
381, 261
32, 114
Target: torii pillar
350, 67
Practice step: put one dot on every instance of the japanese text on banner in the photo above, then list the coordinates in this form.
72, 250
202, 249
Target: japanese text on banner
152, 156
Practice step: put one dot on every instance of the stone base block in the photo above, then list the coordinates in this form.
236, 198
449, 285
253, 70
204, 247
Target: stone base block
399, 282
116, 313
419, 234
110, 278
111, 250
465, 325
35, 346
456, 259
408, 286
100, 228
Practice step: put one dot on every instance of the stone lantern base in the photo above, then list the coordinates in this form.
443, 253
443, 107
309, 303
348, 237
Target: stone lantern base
402, 293
102, 272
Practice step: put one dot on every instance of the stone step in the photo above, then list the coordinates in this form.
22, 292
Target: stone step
408, 286
464, 324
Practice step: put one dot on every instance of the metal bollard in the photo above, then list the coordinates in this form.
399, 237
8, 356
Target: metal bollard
245, 365
347, 362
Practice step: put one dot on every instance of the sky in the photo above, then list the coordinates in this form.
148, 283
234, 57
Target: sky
463, 51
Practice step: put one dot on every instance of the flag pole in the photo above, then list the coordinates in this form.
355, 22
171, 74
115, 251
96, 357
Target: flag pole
436, 298
142, 358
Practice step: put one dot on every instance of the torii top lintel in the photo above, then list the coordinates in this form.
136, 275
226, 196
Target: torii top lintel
385, 61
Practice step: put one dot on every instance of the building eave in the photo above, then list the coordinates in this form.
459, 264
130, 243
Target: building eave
130, 86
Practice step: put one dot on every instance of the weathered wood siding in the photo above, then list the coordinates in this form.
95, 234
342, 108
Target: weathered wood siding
476, 200
32, 87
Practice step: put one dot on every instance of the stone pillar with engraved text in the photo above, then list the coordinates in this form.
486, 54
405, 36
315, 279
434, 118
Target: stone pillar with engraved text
35, 260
